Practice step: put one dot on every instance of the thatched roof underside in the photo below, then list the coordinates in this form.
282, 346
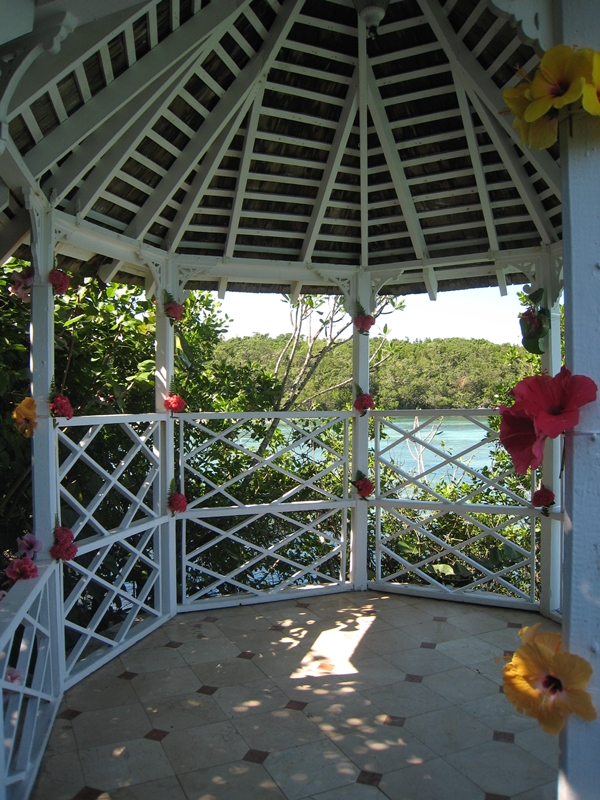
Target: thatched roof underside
264, 144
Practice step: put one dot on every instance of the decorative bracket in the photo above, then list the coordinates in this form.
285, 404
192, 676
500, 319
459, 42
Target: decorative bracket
534, 20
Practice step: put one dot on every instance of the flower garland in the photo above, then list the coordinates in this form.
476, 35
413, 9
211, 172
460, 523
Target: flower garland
174, 403
59, 279
363, 321
363, 485
364, 401
535, 324
172, 308
564, 76
543, 498
544, 407
64, 547
177, 503
547, 683
60, 406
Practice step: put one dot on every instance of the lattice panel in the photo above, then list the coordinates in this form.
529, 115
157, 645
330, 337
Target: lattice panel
246, 460
111, 593
263, 552
108, 473
30, 685
458, 553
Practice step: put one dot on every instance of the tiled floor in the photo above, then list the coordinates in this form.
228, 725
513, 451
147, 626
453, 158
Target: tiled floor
345, 697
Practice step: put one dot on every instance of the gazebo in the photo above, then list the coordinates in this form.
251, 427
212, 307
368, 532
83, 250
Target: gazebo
303, 146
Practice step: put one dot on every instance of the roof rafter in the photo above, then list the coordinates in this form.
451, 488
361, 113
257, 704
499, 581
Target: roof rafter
390, 149
332, 166
363, 140
186, 39
220, 116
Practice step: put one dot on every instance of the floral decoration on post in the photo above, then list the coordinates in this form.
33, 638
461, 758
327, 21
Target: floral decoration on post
177, 502
363, 321
64, 547
363, 402
544, 407
60, 406
25, 417
564, 76
21, 569
363, 485
23, 283
174, 403
29, 545
59, 279
543, 498
547, 683
172, 308
535, 324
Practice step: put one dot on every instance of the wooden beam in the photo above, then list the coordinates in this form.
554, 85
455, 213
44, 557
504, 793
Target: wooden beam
431, 283
14, 234
363, 139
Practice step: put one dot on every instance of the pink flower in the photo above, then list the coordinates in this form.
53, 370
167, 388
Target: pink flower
65, 548
29, 545
175, 403
364, 322
363, 402
173, 310
543, 498
13, 676
553, 403
177, 503
519, 437
61, 406
531, 318
59, 279
364, 487
21, 569
23, 283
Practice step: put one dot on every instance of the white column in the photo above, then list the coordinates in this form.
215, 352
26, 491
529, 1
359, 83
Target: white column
551, 545
45, 457
580, 161
361, 292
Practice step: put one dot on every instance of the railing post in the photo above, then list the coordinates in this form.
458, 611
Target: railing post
551, 529
360, 292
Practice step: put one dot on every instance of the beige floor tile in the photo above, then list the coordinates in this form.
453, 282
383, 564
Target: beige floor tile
184, 711
199, 748
228, 671
498, 714
255, 697
157, 638
310, 769
547, 792
503, 638
259, 641
405, 699
475, 621
421, 661
434, 632
95, 693
277, 730
448, 730
343, 715
151, 660
354, 791
189, 628
282, 663
108, 725
460, 685
383, 748
292, 615
165, 683
122, 764
62, 738
374, 670
539, 744
470, 650
491, 669
393, 640
320, 687
513, 771
437, 608
162, 789
405, 615
198, 651
60, 777
241, 780
433, 780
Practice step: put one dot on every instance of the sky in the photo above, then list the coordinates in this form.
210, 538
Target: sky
469, 314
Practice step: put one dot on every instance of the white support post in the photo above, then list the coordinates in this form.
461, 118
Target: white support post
551, 533
45, 456
360, 292
166, 276
580, 162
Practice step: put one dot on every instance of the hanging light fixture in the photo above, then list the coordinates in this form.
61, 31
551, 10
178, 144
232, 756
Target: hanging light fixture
371, 12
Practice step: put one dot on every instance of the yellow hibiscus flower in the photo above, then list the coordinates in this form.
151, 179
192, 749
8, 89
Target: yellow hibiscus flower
552, 640
540, 134
25, 417
548, 685
559, 80
591, 90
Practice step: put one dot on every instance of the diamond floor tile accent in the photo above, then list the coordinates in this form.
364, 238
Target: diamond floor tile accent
404, 704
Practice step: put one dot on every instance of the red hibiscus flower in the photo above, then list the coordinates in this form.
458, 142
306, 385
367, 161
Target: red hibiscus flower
518, 435
553, 403
61, 407
177, 503
173, 310
363, 402
531, 318
21, 569
59, 279
543, 498
175, 403
364, 322
64, 548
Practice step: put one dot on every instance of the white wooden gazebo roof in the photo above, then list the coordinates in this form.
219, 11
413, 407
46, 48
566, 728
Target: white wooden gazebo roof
275, 146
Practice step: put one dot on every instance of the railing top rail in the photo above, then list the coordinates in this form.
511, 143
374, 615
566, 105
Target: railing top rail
436, 412
20, 597
265, 415
108, 419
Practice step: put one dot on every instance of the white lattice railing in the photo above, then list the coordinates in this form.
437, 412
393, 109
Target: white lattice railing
268, 505
451, 520
31, 670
